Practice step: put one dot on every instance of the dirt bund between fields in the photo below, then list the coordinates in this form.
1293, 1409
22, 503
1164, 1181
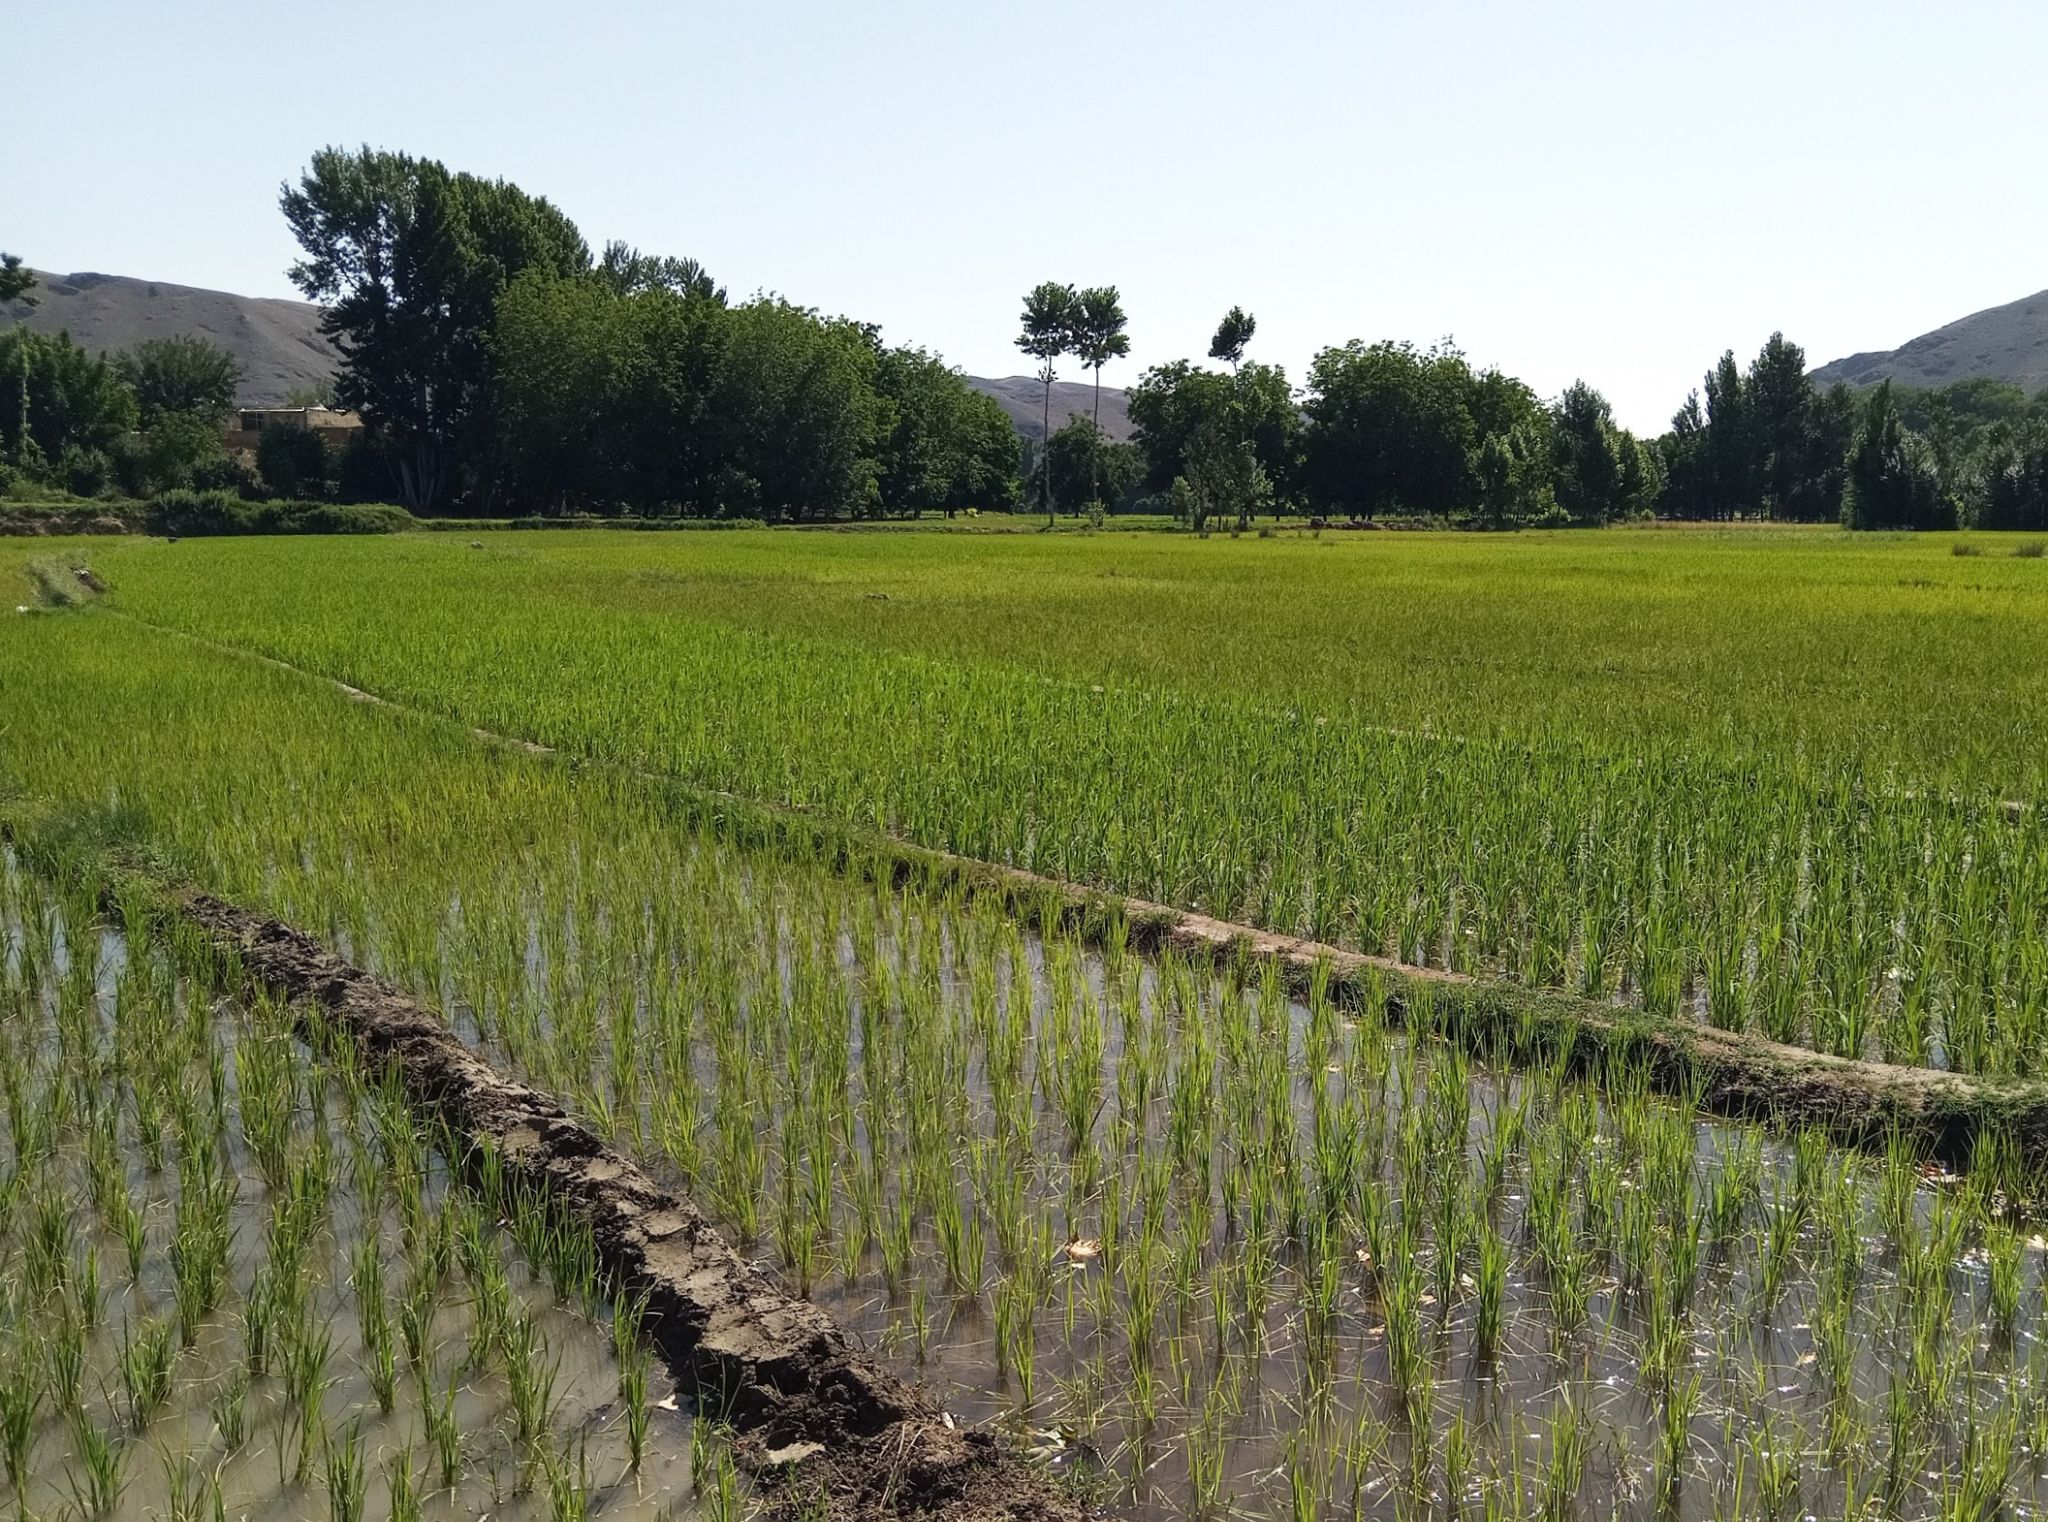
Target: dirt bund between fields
820, 1424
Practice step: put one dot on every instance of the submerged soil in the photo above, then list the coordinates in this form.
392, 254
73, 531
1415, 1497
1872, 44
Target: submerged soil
819, 1422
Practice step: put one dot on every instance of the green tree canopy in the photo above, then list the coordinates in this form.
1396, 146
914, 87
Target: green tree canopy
1048, 325
942, 448
409, 261
1389, 428
294, 462
1232, 335
181, 374
1086, 466
17, 280
1891, 477
65, 398
1173, 405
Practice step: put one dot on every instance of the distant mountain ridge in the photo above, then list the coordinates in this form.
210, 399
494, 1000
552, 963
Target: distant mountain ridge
1023, 398
278, 342
2007, 343
282, 349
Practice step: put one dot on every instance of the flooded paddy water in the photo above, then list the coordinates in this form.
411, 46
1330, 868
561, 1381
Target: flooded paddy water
236, 1279
1204, 1248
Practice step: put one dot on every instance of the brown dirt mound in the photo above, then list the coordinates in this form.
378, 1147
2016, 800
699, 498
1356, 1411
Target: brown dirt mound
778, 1368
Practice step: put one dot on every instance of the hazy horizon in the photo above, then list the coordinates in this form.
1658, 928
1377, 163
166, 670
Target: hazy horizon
1598, 191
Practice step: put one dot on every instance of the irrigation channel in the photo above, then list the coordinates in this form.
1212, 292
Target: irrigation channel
1188, 1242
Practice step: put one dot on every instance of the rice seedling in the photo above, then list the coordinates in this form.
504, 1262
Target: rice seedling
99, 1473
147, 1355
341, 1467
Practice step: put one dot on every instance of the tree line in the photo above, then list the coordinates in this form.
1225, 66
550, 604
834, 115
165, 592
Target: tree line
139, 422
504, 368
501, 367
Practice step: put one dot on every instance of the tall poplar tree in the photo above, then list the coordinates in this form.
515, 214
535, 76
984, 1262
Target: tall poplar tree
1048, 322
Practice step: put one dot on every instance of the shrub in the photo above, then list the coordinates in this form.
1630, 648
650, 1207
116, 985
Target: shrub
85, 472
224, 473
1964, 549
2030, 549
198, 514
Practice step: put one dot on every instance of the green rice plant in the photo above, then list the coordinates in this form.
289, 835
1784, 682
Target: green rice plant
404, 1502
633, 1369
230, 1410
569, 1487
21, 1397
306, 1355
148, 1353
2002, 1244
186, 1488
724, 1503
99, 1475
341, 1467
63, 1352
530, 1378
437, 1412
1674, 1434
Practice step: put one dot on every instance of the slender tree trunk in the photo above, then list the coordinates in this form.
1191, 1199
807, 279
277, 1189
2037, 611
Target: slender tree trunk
1045, 450
22, 438
1095, 442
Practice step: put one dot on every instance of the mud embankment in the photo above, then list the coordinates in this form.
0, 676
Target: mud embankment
818, 1421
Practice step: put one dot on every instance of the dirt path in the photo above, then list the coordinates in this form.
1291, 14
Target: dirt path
818, 1419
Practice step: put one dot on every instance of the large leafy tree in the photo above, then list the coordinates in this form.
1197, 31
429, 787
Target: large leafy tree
1728, 462
939, 449
17, 281
1589, 456
1389, 426
604, 396
1082, 466
2013, 476
65, 399
181, 374
1048, 324
627, 272
797, 415
409, 261
1891, 478
1175, 405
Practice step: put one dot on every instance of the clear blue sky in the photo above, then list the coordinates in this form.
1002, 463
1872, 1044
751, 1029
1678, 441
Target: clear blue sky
1607, 190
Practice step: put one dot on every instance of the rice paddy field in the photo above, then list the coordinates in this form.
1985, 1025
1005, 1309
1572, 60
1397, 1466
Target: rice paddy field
1196, 1240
